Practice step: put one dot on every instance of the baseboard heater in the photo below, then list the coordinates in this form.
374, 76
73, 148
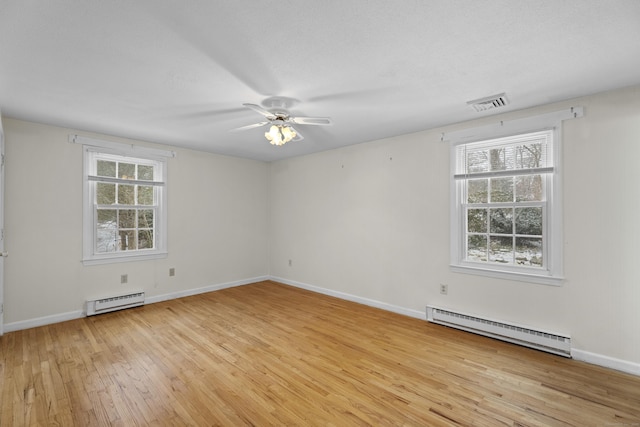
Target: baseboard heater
517, 334
119, 302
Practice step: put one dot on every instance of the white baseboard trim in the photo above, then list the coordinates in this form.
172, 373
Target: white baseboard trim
606, 361
63, 317
585, 356
581, 355
205, 289
418, 314
42, 321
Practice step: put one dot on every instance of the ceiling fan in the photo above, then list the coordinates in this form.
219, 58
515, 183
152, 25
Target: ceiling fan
281, 130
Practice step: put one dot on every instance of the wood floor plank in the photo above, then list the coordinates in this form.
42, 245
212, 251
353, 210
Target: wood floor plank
270, 354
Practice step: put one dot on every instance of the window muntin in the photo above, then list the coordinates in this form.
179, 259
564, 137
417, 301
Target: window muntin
503, 201
124, 208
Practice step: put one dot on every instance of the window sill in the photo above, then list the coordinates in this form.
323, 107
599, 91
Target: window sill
508, 275
123, 258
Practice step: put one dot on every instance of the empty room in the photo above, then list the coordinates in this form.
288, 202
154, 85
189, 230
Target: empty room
319, 213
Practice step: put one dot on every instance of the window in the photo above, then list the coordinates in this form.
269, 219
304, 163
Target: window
506, 206
502, 190
125, 206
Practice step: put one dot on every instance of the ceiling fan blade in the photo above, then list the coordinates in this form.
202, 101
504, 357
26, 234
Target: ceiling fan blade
258, 109
298, 137
311, 120
255, 125
366, 95
197, 115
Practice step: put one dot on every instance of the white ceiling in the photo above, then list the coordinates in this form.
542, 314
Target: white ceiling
178, 72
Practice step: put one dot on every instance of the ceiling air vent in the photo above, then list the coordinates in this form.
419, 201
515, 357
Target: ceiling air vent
484, 104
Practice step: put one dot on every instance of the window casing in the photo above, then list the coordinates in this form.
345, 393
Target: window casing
506, 212
124, 207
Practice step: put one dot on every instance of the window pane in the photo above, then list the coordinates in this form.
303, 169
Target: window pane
145, 195
106, 168
529, 251
529, 156
106, 218
127, 241
529, 221
145, 239
477, 190
145, 218
501, 158
125, 194
477, 220
477, 248
501, 190
106, 193
145, 172
529, 188
477, 161
127, 218
501, 249
106, 229
127, 170
501, 220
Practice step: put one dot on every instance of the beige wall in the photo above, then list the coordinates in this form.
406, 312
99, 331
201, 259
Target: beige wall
217, 210
372, 221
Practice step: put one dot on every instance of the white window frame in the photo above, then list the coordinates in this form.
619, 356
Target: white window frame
552, 271
94, 149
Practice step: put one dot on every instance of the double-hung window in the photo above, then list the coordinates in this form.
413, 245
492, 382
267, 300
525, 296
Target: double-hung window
124, 207
506, 207
503, 193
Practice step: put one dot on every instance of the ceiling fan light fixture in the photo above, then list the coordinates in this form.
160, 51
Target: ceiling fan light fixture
288, 133
279, 134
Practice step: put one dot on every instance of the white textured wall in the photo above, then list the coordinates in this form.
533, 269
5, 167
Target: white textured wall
217, 225
372, 220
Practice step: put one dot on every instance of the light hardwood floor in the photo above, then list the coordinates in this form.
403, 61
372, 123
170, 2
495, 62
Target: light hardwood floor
269, 354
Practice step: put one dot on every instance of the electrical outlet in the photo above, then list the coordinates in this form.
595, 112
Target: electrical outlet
444, 289
172, 272
124, 278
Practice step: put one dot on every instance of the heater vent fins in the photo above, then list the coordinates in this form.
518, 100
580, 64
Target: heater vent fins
118, 302
528, 337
